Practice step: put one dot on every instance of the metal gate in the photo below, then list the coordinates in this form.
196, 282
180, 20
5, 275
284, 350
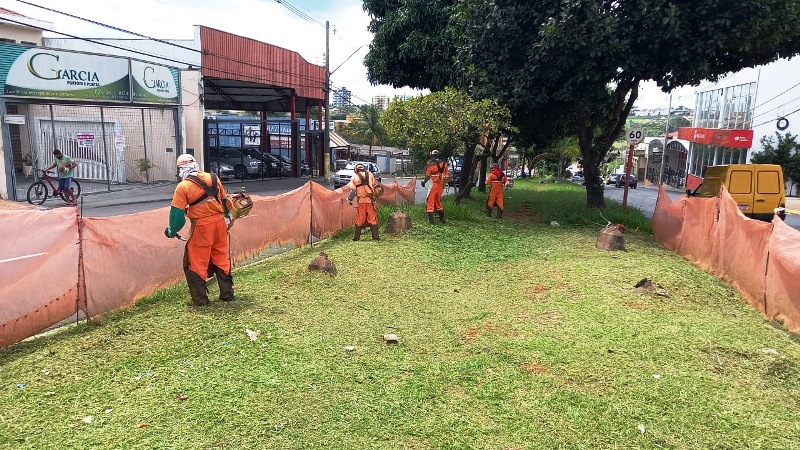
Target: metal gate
115, 147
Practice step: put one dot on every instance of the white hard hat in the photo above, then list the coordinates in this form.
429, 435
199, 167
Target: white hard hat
185, 159
434, 152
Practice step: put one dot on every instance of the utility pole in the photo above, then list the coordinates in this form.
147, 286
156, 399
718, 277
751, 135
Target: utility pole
666, 138
326, 137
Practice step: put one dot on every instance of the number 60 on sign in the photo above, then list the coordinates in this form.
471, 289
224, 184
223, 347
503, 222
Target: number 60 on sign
634, 135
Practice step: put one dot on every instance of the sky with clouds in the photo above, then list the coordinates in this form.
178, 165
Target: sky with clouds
264, 20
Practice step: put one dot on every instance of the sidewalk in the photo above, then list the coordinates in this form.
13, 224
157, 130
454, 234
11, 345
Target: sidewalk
99, 197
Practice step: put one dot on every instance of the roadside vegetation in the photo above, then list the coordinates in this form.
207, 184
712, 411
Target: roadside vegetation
512, 334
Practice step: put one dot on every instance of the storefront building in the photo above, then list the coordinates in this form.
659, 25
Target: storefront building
733, 115
116, 117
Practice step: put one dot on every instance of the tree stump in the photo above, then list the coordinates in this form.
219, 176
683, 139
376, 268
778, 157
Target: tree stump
610, 239
397, 222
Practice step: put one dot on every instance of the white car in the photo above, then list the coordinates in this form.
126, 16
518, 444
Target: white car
343, 177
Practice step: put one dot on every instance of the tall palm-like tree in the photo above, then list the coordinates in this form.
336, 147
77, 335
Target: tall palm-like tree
370, 129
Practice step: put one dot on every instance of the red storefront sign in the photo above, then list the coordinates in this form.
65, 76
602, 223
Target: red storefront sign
717, 136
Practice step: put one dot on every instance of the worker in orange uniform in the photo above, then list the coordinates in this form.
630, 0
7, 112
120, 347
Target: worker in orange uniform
436, 170
202, 198
496, 181
362, 185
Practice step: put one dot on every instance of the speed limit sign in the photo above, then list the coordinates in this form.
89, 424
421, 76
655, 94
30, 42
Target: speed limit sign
634, 135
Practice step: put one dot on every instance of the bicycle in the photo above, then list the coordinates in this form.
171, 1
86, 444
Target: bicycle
38, 191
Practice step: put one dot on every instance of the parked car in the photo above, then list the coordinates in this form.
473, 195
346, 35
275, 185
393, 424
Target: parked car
244, 165
223, 170
632, 182
577, 178
342, 177
612, 179
273, 165
454, 165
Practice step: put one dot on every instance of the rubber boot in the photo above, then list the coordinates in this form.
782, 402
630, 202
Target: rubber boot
374, 229
488, 211
499, 213
197, 288
430, 218
441, 216
357, 234
225, 283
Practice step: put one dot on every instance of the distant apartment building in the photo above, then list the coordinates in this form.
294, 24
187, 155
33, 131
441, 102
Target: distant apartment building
342, 97
381, 102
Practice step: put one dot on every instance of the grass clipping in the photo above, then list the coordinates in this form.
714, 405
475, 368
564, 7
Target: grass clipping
504, 335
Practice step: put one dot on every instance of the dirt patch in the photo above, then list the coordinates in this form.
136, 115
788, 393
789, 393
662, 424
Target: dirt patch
8, 204
539, 288
471, 333
534, 368
523, 214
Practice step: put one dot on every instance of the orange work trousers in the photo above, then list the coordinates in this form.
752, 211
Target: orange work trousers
435, 198
366, 214
208, 244
496, 196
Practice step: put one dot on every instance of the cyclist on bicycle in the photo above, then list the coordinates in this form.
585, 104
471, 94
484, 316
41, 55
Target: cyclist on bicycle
66, 171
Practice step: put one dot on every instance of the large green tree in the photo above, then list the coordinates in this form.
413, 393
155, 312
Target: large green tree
586, 57
453, 123
783, 150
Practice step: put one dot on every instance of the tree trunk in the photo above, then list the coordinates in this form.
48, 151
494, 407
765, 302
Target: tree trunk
464, 186
482, 175
591, 168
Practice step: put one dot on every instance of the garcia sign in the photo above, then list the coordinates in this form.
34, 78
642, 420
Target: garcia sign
39, 72
153, 83
66, 75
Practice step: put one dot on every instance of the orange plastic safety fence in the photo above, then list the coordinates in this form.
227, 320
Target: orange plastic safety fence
760, 259
124, 258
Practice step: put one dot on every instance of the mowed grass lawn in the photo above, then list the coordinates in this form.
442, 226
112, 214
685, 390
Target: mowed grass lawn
513, 334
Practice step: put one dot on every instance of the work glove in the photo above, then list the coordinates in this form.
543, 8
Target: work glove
423, 184
168, 233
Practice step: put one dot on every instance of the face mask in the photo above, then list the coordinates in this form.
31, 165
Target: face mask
188, 169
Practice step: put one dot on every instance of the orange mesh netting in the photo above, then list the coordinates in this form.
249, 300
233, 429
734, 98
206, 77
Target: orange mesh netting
38, 271
124, 258
760, 259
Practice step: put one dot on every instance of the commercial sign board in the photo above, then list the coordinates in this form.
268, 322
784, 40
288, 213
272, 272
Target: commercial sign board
717, 136
38, 72
153, 83
45, 73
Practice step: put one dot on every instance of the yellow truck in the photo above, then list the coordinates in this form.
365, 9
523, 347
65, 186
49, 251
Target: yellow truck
758, 189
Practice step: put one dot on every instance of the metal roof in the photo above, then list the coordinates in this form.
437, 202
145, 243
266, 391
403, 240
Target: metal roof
244, 74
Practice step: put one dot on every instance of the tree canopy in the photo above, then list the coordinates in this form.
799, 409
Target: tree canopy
581, 60
783, 150
451, 122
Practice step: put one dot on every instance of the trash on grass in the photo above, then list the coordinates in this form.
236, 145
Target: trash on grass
350, 348
555, 224
252, 335
642, 429
88, 419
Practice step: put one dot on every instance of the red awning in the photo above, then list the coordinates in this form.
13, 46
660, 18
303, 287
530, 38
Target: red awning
717, 136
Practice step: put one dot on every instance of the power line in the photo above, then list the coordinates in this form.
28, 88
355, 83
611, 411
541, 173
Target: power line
299, 12
247, 77
165, 42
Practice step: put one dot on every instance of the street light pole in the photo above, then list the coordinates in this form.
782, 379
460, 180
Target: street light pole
666, 138
326, 137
